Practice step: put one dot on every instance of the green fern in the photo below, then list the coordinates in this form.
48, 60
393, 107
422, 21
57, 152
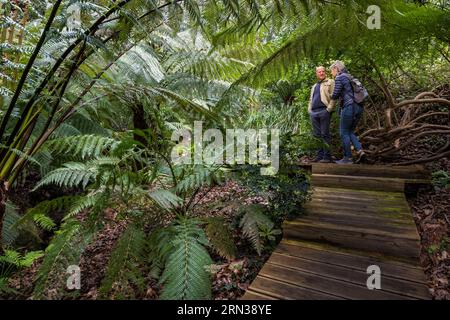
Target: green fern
64, 250
9, 230
123, 269
39, 214
166, 199
220, 237
159, 246
85, 146
72, 174
185, 274
95, 199
200, 176
251, 222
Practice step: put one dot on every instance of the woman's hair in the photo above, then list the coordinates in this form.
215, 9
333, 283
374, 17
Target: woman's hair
339, 65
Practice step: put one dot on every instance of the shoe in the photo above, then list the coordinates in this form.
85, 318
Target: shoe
345, 161
361, 156
325, 160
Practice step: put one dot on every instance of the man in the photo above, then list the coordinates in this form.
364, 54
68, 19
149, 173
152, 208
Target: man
320, 107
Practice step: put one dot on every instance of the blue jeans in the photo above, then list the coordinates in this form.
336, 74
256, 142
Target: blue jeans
350, 116
321, 129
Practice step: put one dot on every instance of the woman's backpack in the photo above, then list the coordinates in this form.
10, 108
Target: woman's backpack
359, 91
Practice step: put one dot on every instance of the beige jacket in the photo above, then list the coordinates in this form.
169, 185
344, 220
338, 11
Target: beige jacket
326, 90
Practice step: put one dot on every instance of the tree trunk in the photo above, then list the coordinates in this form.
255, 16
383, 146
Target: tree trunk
3, 196
139, 122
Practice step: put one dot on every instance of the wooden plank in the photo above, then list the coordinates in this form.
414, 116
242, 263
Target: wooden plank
393, 285
402, 213
374, 194
312, 209
404, 172
252, 295
327, 285
403, 246
287, 291
362, 222
352, 201
388, 215
367, 233
358, 182
335, 256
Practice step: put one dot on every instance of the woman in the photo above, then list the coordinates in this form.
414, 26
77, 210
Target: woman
350, 112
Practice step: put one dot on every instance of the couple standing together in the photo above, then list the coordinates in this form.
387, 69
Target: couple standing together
324, 96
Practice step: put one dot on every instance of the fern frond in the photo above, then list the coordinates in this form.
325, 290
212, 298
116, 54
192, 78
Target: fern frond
185, 275
200, 176
64, 250
39, 214
93, 199
220, 237
82, 145
166, 199
72, 174
124, 265
251, 222
9, 230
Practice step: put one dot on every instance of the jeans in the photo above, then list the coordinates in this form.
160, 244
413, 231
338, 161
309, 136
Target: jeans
321, 129
350, 116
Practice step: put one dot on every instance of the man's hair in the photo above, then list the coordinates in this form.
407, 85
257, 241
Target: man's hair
320, 67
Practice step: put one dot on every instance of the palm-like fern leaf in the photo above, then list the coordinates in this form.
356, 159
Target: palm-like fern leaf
70, 175
185, 275
251, 222
124, 264
82, 145
220, 237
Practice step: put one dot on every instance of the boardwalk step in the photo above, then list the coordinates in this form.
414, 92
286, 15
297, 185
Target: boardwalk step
403, 245
349, 275
320, 283
378, 195
412, 173
358, 182
358, 260
358, 217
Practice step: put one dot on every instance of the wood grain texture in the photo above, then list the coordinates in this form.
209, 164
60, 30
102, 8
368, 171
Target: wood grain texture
358, 216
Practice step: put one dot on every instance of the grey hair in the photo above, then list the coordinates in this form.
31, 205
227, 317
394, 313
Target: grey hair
320, 67
339, 65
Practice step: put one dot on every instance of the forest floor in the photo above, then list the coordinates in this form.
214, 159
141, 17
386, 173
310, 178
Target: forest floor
230, 278
431, 210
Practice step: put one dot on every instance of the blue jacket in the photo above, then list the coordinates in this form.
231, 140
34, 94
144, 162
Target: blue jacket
343, 89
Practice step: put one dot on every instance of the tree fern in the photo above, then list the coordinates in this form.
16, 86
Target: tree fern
124, 266
82, 145
251, 222
72, 174
220, 237
185, 274
166, 199
201, 175
95, 199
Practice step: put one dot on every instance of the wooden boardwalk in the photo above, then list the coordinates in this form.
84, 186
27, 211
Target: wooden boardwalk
358, 217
